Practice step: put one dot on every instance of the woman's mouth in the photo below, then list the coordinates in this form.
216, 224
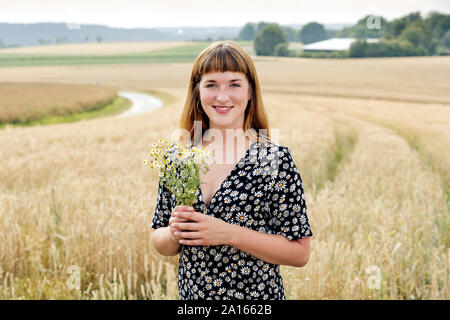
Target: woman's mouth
222, 109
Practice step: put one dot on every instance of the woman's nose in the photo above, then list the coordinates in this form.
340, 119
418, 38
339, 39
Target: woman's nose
222, 95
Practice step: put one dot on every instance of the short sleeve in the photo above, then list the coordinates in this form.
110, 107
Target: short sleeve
288, 213
164, 206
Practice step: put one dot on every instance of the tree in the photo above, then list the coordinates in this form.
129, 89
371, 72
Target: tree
438, 24
358, 49
265, 41
360, 32
369, 26
290, 34
312, 32
397, 25
60, 40
247, 32
388, 48
43, 41
282, 50
414, 34
261, 25
446, 40
330, 33
443, 26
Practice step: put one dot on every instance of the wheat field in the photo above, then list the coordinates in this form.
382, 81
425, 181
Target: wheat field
25, 102
370, 138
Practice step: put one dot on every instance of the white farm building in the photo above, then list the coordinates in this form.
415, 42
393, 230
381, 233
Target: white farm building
333, 44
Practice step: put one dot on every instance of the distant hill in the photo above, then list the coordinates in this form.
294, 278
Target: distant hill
14, 34
32, 34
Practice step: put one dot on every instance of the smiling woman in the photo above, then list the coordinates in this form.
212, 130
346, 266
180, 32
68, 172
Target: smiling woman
250, 214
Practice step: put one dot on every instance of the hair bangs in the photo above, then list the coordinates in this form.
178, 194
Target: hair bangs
222, 59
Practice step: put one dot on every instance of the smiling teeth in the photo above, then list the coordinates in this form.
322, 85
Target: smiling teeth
220, 108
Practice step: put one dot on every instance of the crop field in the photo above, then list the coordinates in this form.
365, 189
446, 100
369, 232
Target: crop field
370, 138
27, 102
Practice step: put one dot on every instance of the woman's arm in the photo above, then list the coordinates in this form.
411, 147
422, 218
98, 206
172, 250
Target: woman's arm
164, 242
164, 239
272, 248
275, 249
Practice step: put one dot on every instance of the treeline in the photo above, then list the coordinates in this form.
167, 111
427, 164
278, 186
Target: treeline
271, 39
410, 35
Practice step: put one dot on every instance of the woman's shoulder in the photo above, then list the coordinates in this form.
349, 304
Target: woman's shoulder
272, 146
270, 152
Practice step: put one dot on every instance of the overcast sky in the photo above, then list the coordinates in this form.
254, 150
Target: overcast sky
179, 13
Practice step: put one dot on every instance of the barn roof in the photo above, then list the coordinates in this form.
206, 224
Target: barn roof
333, 44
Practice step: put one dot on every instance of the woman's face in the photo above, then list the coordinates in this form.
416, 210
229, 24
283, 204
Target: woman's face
226, 89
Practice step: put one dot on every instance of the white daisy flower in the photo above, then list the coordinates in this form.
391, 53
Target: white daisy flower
241, 217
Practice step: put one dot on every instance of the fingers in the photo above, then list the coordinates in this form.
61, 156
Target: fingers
174, 232
186, 226
192, 242
179, 213
174, 238
190, 215
183, 208
173, 220
174, 224
186, 235
178, 209
178, 226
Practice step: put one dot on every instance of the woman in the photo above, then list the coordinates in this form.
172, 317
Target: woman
250, 214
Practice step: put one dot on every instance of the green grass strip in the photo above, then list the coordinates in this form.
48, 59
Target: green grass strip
343, 147
116, 106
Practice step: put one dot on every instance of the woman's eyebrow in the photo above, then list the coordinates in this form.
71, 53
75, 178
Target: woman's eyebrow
233, 80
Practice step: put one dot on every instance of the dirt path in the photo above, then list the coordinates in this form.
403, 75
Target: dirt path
141, 103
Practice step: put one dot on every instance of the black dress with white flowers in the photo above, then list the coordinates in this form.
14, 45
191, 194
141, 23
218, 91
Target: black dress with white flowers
263, 192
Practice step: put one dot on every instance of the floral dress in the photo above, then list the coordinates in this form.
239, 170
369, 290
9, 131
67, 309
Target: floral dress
263, 192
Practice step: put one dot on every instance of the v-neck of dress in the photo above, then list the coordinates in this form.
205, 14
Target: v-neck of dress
236, 166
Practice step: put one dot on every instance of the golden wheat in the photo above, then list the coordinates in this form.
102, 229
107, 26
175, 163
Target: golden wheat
77, 194
31, 101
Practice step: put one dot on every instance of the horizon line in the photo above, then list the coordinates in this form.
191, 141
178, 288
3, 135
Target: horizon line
206, 26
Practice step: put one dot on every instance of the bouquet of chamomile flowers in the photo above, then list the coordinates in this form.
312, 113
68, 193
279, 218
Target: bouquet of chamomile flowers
179, 168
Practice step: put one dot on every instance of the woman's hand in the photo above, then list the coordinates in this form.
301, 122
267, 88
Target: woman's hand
173, 220
202, 230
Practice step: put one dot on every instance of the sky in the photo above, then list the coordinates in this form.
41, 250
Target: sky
183, 13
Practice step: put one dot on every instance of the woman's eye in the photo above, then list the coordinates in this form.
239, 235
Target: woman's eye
233, 84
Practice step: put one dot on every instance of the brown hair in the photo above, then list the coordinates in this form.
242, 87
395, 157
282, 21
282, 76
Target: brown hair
224, 56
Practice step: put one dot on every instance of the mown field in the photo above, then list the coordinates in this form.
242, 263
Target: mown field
370, 138
91, 48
